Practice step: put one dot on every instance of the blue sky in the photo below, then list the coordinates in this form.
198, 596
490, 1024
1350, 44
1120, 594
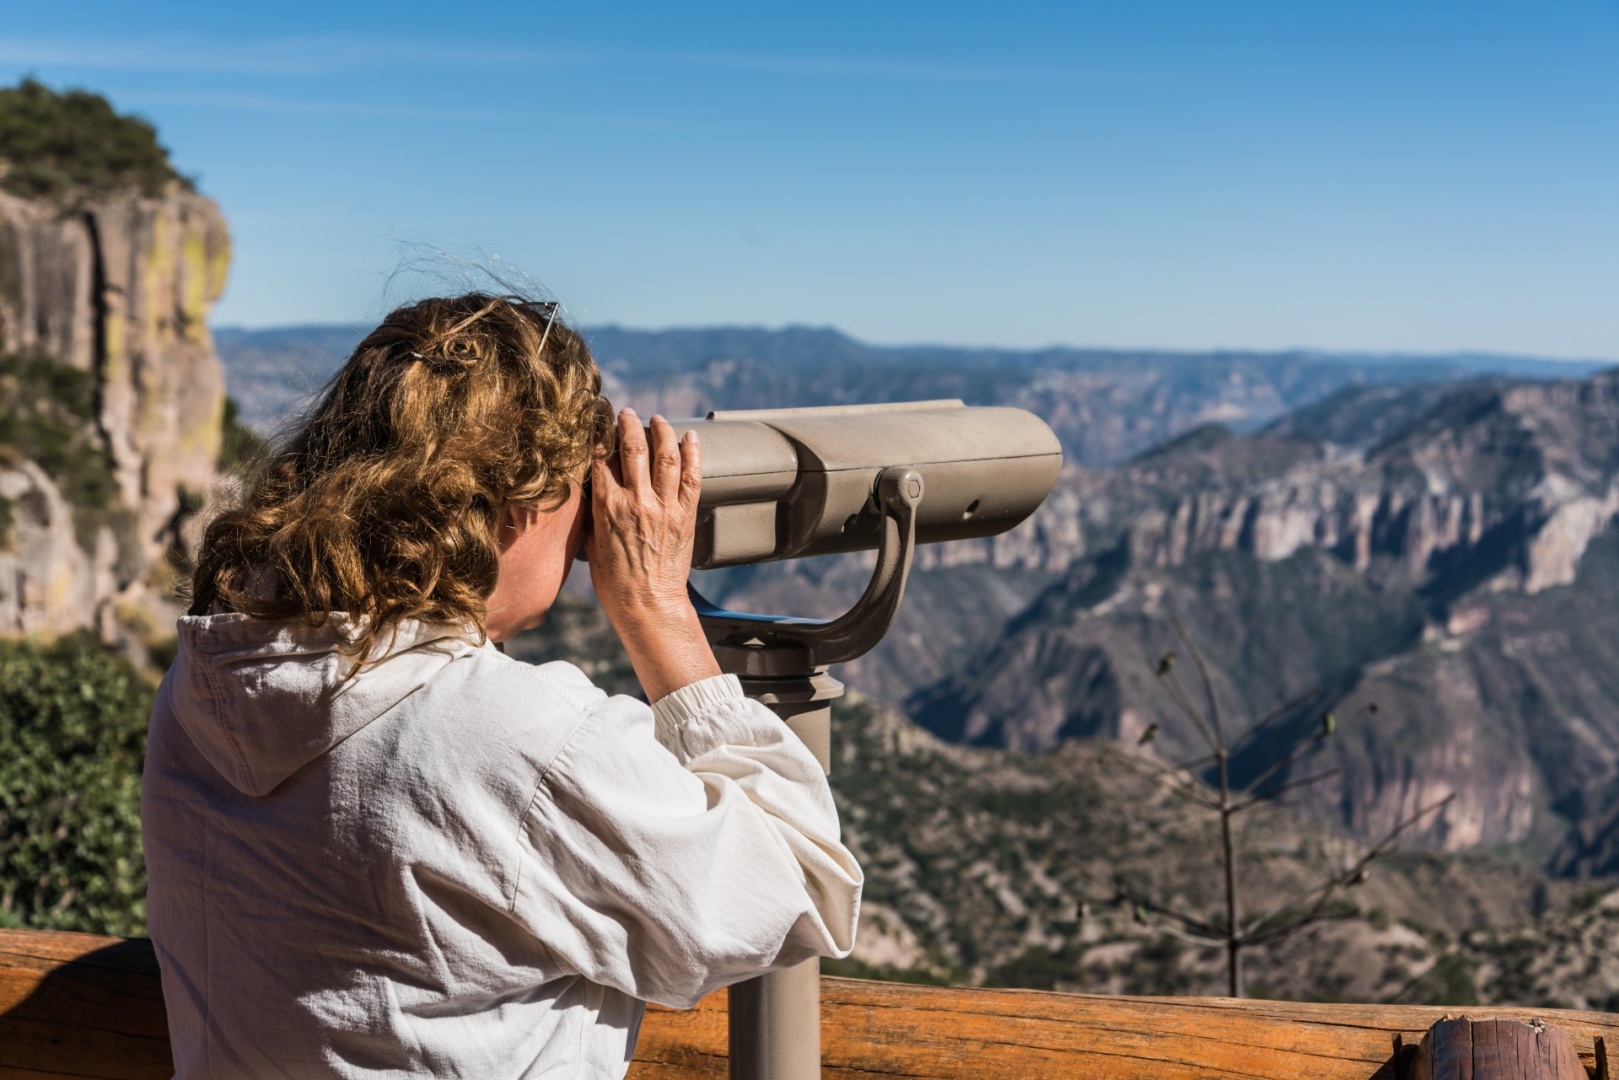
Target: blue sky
1370, 175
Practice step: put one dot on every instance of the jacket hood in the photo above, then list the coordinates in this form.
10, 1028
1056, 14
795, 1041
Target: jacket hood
261, 699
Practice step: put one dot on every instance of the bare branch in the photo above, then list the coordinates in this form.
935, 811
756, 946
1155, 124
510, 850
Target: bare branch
1286, 708
1203, 674
1280, 764
1187, 922
1405, 825
1318, 915
1199, 763
1303, 781
1178, 695
1118, 891
1255, 934
1187, 936
1186, 786
1267, 928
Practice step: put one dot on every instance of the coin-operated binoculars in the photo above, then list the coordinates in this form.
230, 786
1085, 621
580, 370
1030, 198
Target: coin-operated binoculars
789, 483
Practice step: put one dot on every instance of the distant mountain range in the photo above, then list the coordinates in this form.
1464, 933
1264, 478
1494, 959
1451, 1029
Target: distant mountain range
1105, 405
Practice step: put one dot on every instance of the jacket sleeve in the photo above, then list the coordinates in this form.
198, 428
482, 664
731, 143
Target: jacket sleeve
676, 849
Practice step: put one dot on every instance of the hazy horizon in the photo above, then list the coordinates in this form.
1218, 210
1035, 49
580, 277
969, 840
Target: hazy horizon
1389, 355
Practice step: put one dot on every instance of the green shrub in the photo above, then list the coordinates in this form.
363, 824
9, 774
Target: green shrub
69, 145
240, 447
73, 725
1040, 968
1451, 981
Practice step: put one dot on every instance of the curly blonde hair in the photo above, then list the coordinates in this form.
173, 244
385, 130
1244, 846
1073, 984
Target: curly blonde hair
384, 505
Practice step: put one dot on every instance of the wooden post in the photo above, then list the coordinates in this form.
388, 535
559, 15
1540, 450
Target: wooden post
1461, 1048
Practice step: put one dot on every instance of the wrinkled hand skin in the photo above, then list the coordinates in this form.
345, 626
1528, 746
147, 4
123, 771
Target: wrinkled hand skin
643, 525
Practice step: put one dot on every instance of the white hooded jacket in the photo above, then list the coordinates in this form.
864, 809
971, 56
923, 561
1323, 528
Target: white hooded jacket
455, 864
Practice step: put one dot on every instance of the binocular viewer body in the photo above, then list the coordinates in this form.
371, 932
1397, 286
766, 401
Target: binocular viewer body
790, 483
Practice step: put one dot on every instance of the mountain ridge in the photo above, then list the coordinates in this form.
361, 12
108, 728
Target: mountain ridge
1104, 404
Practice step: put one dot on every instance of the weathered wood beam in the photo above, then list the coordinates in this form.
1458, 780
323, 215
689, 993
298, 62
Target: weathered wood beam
79, 1005
76, 1005
1466, 1048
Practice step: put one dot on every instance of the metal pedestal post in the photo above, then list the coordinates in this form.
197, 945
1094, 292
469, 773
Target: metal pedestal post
776, 1025
775, 1020
782, 663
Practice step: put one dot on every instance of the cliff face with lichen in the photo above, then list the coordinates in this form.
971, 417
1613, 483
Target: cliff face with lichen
115, 287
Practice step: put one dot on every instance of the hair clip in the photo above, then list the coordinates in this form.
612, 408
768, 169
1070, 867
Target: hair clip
546, 308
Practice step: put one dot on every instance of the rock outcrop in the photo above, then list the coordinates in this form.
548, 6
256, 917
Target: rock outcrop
1523, 475
49, 584
1462, 573
118, 287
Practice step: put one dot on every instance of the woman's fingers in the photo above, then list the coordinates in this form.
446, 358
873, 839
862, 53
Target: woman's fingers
691, 471
606, 481
640, 551
604, 473
603, 484
632, 452
666, 460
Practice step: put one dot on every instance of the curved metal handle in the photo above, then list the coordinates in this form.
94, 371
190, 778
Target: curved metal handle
818, 643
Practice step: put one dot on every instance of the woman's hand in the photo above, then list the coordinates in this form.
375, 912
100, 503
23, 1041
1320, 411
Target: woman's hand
643, 523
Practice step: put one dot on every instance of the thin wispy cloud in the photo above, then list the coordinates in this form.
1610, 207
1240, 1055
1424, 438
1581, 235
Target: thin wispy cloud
899, 70
276, 56
286, 106
189, 57
316, 56
266, 103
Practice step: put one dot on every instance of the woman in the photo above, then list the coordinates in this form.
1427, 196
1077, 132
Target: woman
377, 846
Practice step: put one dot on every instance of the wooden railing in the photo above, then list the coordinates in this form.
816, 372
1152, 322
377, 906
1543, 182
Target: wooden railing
76, 1005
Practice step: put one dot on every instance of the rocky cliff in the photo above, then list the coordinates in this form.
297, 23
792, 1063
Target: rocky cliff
1461, 571
1528, 471
113, 283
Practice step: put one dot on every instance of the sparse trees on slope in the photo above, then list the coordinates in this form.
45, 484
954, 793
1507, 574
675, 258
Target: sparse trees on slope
1233, 932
